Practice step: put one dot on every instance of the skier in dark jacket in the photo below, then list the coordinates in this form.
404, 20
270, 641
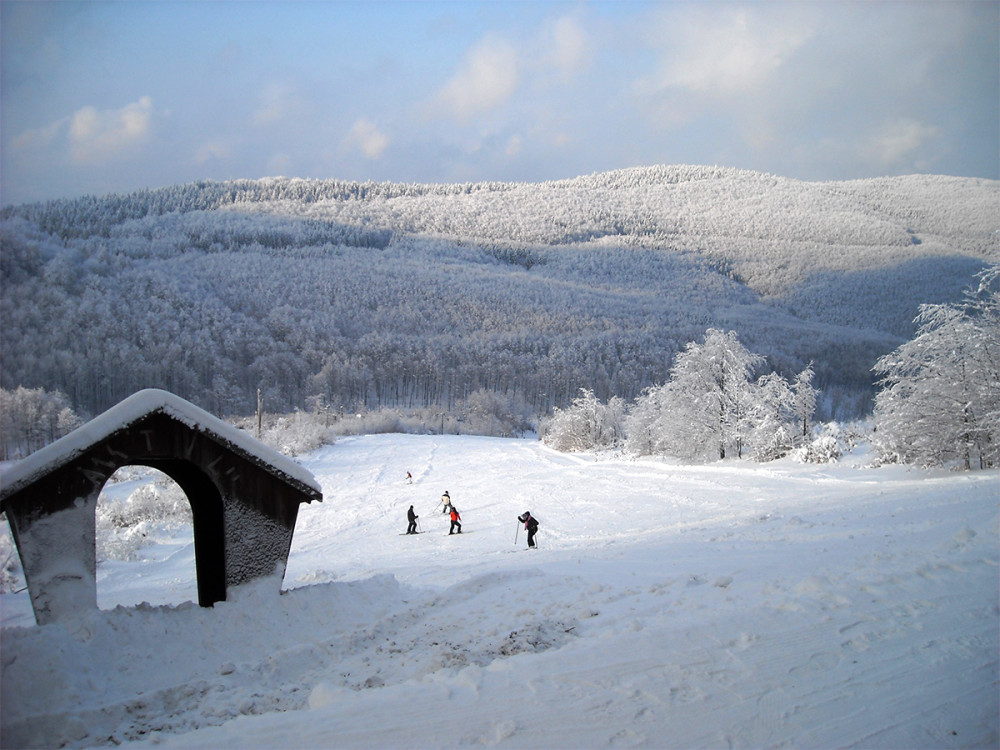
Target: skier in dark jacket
531, 525
412, 518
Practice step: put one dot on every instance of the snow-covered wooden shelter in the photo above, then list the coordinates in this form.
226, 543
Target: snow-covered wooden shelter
244, 499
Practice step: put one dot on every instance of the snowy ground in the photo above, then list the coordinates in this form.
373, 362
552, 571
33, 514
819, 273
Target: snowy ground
730, 605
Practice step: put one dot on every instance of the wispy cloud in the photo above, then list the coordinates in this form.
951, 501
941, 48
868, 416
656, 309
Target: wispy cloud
213, 150
38, 138
721, 53
277, 103
366, 137
89, 135
487, 79
96, 135
897, 141
569, 46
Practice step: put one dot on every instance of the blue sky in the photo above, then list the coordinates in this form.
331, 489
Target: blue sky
109, 97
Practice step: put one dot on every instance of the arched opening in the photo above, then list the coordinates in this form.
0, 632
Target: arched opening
194, 502
144, 540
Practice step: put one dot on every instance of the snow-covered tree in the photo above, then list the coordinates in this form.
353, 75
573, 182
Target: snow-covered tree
773, 419
940, 397
711, 407
586, 424
31, 418
804, 399
711, 388
644, 422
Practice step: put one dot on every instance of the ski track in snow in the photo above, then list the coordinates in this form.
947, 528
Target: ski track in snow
669, 606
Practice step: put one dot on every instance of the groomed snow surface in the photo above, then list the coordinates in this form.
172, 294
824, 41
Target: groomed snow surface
729, 605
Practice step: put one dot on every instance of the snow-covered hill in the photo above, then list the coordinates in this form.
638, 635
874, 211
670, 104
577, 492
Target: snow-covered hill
418, 295
736, 604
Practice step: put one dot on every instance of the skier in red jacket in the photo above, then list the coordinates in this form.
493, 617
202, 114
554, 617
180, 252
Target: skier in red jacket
455, 521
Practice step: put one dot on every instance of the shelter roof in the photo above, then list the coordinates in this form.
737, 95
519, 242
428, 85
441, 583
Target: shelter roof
137, 407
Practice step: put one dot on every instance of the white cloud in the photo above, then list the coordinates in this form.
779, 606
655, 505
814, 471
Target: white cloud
899, 139
366, 137
40, 138
278, 164
514, 145
569, 46
96, 135
487, 79
213, 150
722, 53
277, 103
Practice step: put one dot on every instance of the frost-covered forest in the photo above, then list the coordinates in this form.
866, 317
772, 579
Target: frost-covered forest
360, 295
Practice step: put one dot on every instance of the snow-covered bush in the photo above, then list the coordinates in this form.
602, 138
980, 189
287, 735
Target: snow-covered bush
770, 439
483, 412
586, 424
296, 433
830, 442
823, 449
386, 420
290, 434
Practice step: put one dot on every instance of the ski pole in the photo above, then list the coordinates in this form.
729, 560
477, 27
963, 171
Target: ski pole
517, 528
419, 530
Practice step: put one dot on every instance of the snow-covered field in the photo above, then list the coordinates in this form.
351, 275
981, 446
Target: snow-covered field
729, 605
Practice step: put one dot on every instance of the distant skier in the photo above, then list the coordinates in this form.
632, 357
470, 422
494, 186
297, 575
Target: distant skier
445, 502
409, 478
455, 521
531, 525
412, 518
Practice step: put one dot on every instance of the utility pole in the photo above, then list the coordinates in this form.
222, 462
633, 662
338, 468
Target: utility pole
260, 410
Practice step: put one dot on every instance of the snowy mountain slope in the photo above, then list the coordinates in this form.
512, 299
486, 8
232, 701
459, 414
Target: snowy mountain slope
390, 294
668, 606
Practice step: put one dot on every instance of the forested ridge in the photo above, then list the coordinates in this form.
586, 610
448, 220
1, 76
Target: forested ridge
384, 294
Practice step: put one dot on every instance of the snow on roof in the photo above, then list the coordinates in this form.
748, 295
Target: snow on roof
131, 410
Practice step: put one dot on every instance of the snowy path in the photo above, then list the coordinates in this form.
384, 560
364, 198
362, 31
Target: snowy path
735, 605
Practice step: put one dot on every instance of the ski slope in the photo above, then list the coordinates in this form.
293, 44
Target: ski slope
669, 606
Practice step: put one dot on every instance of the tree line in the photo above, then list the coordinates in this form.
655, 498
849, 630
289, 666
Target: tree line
938, 404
